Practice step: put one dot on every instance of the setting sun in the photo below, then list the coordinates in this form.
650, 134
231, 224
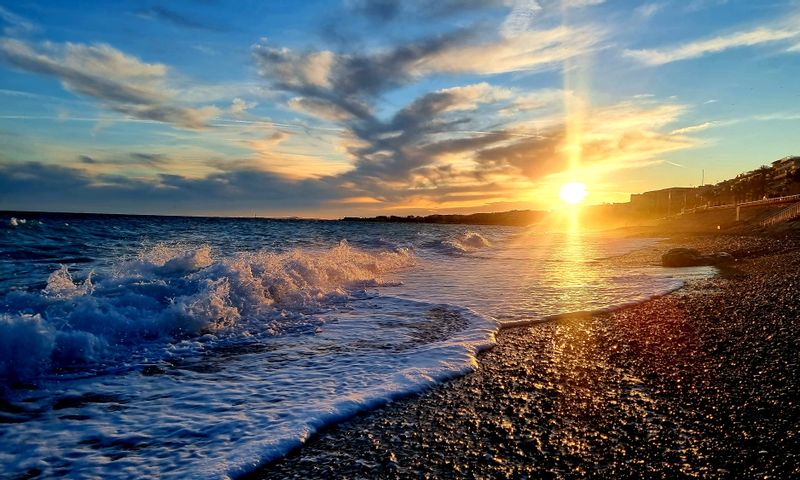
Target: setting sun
573, 192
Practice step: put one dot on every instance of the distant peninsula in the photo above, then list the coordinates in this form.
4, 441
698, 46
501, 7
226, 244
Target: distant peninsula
511, 218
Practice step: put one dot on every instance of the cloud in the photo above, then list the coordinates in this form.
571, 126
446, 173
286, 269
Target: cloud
399, 149
140, 159
120, 82
460, 51
429, 144
320, 108
521, 17
387, 10
427, 155
149, 159
581, 3
693, 128
622, 135
649, 10
344, 86
239, 106
178, 19
697, 5
38, 186
14, 24
700, 48
525, 51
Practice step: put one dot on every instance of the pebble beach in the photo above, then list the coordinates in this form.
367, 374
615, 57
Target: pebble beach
698, 383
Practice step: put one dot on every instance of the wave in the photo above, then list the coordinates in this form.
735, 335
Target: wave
465, 243
170, 293
15, 222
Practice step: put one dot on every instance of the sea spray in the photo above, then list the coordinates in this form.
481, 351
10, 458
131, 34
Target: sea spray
169, 293
466, 242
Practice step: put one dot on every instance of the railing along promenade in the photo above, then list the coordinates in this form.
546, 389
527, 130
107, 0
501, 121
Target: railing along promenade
754, 203
788, 213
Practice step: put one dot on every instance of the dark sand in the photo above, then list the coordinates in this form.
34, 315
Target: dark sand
700, 383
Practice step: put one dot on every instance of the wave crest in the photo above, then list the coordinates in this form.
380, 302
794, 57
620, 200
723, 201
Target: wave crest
466, 242
169, 293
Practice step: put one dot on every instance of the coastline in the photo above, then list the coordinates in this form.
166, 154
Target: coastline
697, 382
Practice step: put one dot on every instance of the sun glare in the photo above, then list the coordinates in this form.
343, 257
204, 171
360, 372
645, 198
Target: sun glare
573, 192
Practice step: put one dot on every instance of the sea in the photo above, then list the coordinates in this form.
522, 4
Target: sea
184, 347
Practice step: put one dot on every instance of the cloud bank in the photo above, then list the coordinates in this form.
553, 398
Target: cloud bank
119, 82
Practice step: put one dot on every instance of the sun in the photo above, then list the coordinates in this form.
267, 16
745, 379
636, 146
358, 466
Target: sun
573, 192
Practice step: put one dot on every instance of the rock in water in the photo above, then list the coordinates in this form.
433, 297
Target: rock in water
682, 257
689, 257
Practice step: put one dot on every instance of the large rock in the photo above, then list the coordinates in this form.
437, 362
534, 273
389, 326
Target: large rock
689, 257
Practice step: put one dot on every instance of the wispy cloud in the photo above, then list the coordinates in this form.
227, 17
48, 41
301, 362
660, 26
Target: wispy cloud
15, 24
697, 5
649, 10
699, 48
120, 82
521, 18
582, 3
693, 128
386, 10
618, 136
165, 14
527, 51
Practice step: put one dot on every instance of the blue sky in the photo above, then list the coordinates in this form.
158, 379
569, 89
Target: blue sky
369, 107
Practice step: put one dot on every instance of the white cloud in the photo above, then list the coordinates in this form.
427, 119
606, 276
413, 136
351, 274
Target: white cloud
15, 24
520, 18
699, 48
468, 96
530, 50
239, 106
581, 3
120, 82
693, 128
648, 10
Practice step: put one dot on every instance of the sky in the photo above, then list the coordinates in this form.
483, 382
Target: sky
356, 107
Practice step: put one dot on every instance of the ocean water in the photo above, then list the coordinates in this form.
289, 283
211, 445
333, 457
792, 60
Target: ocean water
133, 347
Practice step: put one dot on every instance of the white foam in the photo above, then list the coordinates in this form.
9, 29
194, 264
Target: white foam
169, 293
467, 242
213, 415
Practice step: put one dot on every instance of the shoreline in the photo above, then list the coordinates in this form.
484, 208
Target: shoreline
584, 395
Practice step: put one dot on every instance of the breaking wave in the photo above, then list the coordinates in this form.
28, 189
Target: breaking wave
172, 293
465, 243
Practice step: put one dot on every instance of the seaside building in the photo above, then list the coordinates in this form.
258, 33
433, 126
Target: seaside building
785, 177
753, 185
781, 178
664, 202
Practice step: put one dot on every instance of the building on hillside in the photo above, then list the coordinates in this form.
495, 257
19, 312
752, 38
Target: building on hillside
785, 178
751, 186
665, 202
780, 179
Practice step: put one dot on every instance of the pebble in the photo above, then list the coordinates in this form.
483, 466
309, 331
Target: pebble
701, 383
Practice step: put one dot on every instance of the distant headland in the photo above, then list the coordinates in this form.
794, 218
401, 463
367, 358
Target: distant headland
778, 183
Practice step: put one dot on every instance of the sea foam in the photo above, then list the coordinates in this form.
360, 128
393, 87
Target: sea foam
180, 363
465, 243
170, 293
